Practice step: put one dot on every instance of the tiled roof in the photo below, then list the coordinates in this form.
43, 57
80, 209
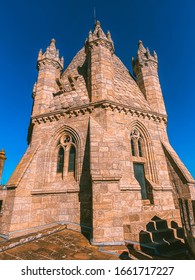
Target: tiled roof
73, 89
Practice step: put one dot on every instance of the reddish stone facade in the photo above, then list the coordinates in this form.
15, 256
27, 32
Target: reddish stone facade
99, 158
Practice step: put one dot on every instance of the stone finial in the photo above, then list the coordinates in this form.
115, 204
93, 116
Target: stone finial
108, 35
98, 32
53, 42
62, 61
40, 55
155, 56
90, 36
141, 47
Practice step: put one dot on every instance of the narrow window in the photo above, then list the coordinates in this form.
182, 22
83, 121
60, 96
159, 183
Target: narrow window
132, 147
1, 204
60, 163
71, 162
140, 148
140, 177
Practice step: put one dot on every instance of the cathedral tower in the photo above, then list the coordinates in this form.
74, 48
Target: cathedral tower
99, 157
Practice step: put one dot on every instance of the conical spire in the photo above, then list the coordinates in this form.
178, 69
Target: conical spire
143, 54
98, 32
99, 35
51, 53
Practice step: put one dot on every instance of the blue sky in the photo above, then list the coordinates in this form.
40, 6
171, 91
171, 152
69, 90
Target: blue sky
168, 27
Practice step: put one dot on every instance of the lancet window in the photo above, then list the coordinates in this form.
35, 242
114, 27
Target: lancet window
140, 164
66, 157
137, 147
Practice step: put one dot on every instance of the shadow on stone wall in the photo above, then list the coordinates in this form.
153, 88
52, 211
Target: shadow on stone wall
7, 209
160, 240
187, 210
85, 195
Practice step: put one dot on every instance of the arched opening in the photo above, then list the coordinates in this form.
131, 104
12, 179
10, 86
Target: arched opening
66, 161
141, 166
132, 147
72, 157
60, 160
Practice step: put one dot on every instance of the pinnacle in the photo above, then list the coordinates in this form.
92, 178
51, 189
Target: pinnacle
98, 33
53, 41
141, 47
144, 53
51, 53
97, 23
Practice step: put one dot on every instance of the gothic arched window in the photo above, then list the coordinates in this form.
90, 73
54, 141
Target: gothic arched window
139, 143
139, 163
136, 143
71, 162
132, 147
66, 159
60, 162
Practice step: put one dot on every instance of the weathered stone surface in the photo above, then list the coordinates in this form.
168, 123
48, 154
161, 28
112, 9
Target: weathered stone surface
92, 125
53, 244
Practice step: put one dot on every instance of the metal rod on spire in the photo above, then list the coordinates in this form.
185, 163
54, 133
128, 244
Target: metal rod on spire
94, 13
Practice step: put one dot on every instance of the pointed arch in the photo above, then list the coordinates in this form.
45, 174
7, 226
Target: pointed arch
59, 164
72, 158
145, 149
60, 160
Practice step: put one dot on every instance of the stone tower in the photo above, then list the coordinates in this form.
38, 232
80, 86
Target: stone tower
99, 158
2, 162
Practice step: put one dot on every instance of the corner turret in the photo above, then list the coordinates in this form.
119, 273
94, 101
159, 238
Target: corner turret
2, 162
99, 49
50, 66
145, 68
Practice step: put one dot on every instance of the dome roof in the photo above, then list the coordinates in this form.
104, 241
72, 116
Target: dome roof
73, 85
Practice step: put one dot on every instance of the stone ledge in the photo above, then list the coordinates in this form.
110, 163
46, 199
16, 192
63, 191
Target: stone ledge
39, 192
88, 108
101, 178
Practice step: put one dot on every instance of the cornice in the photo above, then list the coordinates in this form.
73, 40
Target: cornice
49, 61
89, 108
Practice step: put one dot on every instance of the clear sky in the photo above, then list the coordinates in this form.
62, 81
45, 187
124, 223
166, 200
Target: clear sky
166, 26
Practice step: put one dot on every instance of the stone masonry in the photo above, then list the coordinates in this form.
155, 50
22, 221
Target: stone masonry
99, 158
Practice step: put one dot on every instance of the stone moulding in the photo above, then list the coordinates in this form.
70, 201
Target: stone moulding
88, 108
49, 192
174, 157
98, 179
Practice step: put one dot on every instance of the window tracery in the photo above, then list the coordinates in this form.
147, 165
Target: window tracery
140, 163
136, 143
66, 155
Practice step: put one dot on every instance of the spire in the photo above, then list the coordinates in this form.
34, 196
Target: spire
143, 54
98, 32
51, 53
145, 69
98, 35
